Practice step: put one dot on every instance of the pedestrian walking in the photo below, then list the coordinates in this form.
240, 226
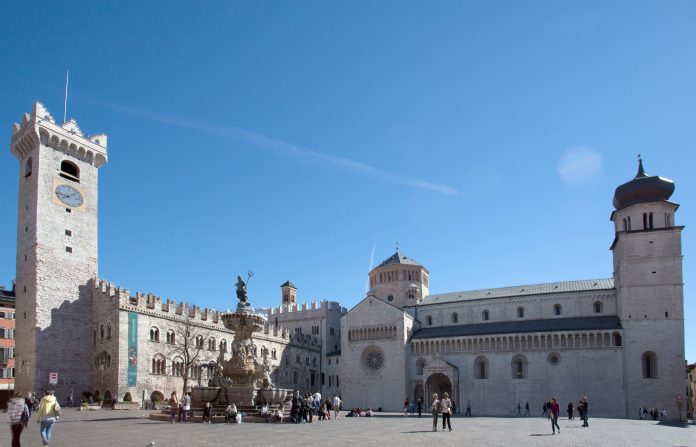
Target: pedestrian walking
554, 412
519, 409
468, 408
585, 412
570, 410
419, 405
70, 399
173, 406
446, 406
18, 411
48, 414
336, 405
435, 409
544, 409
526, 409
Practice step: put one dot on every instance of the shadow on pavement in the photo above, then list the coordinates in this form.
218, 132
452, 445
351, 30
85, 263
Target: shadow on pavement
674, 424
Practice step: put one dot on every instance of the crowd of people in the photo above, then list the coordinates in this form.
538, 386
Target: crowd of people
652, 413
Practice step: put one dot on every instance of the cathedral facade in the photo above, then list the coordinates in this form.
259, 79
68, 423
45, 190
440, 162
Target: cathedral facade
618, 340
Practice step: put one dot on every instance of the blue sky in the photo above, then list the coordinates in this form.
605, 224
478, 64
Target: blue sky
299, 139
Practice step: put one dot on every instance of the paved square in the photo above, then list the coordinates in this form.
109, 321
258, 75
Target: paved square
134, 429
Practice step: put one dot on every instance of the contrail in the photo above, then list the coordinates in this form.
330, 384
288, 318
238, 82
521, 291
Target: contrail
293, 150
372, 262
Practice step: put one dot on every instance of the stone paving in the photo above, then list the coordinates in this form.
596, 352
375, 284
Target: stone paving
134, 429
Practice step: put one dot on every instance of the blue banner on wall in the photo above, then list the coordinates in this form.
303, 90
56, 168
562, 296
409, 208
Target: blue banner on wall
132, 348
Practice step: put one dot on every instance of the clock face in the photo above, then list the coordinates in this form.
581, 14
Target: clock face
69, 195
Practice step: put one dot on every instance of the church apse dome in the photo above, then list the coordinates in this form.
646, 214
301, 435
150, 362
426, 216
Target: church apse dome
642, 189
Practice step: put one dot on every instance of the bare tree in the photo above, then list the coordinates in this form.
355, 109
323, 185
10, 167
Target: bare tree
184, 353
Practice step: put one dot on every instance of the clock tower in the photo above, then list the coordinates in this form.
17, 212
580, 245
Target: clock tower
56, 251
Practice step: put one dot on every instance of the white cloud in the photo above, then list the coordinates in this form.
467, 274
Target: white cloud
579, 163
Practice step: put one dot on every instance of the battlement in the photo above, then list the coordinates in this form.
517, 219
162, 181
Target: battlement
154, 305
39, 125
313, 310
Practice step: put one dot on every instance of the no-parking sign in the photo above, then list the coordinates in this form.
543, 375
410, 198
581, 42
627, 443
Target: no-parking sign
53, 378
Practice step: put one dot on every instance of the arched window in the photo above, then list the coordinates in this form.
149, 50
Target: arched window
314, 361
273, 353
485, 315
159, 364
481, 367
108, 330
154, 334
617, 339
307, 360
254, 351
178, 367
298, 359
199, 342
557, 309
628, 221
420, 364
70, 171
455, 318
649, 365
223, 345
101, 331
519, 367
211, 344
520, 312
625, 224
597, 307
171, 338
28, 167
429, 320
668, 220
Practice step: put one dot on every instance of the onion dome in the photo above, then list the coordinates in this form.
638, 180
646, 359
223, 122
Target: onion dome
643, 189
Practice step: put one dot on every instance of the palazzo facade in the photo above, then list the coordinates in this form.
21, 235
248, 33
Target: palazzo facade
618, 340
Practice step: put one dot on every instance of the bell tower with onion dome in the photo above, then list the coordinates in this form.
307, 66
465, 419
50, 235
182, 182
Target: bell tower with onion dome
649, 289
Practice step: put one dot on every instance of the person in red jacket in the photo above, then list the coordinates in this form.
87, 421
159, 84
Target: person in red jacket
555, 411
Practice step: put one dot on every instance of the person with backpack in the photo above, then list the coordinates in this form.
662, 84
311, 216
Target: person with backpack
18, 411
435, 409
48, 414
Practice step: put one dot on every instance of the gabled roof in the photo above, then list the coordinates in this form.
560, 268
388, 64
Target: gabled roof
288, 284
531, 289
398, 258
513, 327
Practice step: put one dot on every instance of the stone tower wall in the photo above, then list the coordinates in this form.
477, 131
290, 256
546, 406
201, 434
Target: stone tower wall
60, 249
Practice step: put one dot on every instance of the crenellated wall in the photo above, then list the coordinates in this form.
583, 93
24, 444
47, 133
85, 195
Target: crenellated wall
110, 350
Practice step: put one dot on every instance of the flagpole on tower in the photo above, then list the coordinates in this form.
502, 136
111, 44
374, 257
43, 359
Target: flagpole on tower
65, 103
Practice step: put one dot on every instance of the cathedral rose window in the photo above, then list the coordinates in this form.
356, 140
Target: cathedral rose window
373, 358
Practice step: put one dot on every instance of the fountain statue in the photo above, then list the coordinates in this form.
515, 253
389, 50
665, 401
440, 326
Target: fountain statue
240, 378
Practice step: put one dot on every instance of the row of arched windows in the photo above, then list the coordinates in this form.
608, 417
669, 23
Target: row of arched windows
597, 307
176, 367
199, 341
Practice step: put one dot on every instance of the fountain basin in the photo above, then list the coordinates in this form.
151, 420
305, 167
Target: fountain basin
273, 396
204, 393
